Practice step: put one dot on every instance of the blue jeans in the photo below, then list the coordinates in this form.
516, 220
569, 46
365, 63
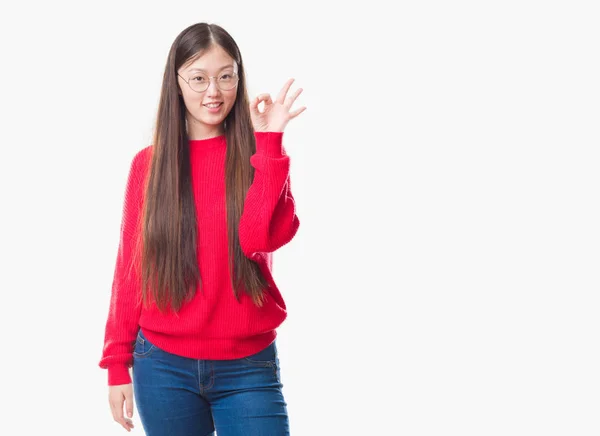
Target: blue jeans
179, 396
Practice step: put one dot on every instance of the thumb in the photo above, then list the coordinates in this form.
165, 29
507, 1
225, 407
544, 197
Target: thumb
129, 404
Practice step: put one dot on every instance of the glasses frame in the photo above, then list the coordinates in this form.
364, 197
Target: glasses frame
212, 77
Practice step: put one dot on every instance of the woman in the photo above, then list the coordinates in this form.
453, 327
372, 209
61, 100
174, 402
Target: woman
194, 308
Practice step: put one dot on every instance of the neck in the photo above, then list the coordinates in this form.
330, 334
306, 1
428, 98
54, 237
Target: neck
199, 131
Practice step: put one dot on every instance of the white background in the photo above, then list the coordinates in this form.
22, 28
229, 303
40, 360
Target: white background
444, 279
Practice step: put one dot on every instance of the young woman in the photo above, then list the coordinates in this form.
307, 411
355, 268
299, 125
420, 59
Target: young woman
194, 308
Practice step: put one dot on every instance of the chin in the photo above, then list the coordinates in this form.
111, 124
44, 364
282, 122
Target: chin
213, 123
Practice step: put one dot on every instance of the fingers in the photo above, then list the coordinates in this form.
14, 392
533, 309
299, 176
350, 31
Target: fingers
126, 423
291, 99
262, 97
281, 99
129, 403
297, 112
284, 91
116, 406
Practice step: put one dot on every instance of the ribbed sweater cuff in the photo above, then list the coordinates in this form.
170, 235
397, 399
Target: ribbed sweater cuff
269, 144
118, 375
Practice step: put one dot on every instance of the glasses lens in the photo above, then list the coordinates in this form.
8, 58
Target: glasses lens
199, 82
227, 81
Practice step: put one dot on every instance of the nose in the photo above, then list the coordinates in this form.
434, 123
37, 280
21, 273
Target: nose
213, 89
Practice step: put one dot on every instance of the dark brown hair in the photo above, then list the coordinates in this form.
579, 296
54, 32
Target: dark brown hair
169, 267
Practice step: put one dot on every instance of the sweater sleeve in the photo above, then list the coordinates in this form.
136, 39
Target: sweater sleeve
269, 219
124, 310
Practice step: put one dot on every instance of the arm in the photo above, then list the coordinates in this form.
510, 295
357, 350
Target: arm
269, 218
124, 310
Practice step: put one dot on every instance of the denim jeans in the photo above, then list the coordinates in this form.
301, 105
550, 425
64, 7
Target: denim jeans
179, 396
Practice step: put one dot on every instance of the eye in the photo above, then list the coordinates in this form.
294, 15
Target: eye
226, 76
198, 77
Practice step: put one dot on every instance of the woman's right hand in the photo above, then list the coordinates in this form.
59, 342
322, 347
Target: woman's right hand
118, 394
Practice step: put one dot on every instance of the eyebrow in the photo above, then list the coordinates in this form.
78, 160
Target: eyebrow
200, 69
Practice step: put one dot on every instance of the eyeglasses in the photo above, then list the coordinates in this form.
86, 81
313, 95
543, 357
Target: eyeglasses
200, 82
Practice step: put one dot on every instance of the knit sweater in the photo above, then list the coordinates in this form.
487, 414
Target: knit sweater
213, 325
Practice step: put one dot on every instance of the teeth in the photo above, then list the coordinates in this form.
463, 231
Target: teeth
213, 105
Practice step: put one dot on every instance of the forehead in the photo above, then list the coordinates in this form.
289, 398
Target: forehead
212, 60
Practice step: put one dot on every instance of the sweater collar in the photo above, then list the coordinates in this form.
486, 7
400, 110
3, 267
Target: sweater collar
208, 143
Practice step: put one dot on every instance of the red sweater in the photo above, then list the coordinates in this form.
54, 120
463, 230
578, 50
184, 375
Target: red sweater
213, 325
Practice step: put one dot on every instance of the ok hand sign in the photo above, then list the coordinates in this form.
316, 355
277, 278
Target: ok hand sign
275, 115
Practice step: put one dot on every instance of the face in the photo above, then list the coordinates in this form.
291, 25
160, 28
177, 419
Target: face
203, 121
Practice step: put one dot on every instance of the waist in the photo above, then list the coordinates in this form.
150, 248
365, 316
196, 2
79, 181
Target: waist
213, 348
